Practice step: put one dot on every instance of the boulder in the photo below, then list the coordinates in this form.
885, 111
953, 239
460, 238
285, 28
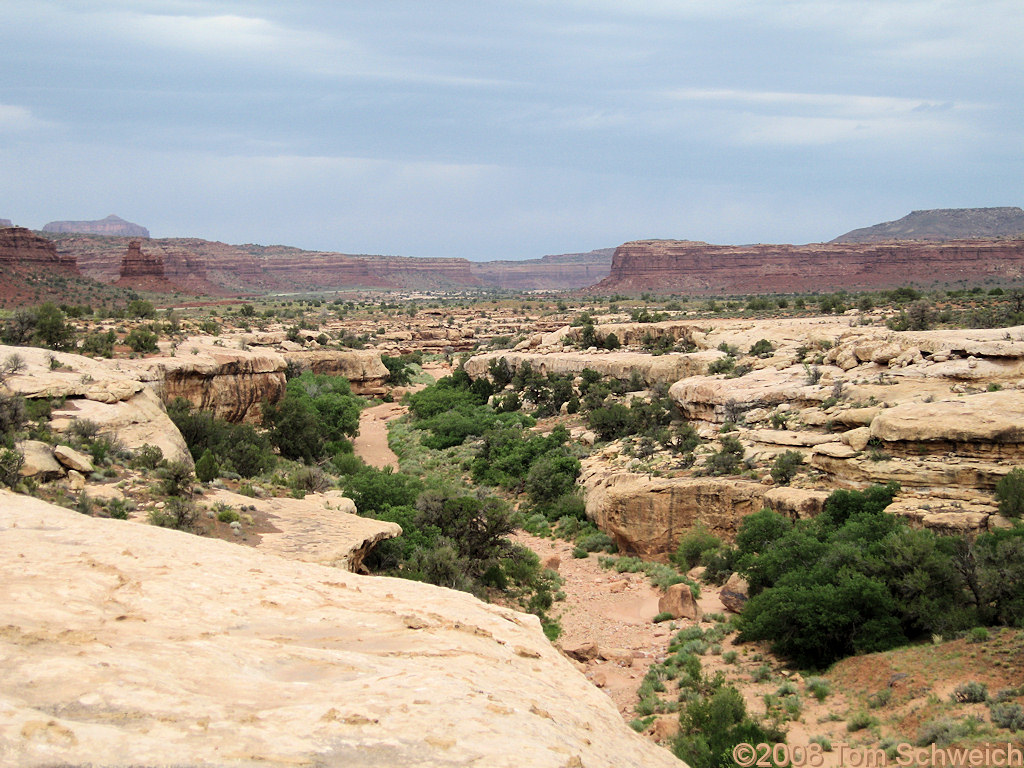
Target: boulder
665, 728
796, 503
735, 593
73, 459
39, 460
582, 652
678, 600
857, 438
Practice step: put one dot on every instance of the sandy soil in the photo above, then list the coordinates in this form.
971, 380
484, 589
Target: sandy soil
371, 445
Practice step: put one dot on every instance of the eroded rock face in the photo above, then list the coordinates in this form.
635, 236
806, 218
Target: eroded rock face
19, 246
363, 368
231, 382
696, 268
106, 392
647, 516
154, 647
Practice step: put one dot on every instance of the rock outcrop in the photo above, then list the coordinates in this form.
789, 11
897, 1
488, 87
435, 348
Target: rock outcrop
232, 377
943, 224
318, 528
230, 382
21, 247
101, 391
202, 266
152, 647
111, 226
363, 368
694, 268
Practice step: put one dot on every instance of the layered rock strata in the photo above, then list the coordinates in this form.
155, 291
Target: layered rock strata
128, 644
117, 401
21, 247
695, 268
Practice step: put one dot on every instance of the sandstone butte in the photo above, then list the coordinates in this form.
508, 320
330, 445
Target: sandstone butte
695, 268
912, 407
21, 247
112, 225
125, 644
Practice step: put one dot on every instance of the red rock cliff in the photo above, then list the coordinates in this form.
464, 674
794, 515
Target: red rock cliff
674, 266
21, 247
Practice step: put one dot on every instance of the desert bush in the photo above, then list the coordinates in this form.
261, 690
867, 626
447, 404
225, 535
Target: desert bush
147, 457
762, 348
970, 693
141, 340
693, 545
176, 479
785, 466
727, 460
13, 414
11, 462
207, 468
1010, 493
99, 344
1009, 715
178, 513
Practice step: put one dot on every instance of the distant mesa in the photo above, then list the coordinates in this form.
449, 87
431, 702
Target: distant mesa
942, 224
6, 223
112, 226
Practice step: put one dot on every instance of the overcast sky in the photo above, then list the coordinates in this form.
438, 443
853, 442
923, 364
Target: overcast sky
507, 128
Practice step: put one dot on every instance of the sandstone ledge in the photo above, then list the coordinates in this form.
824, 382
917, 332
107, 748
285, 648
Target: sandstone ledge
126, 644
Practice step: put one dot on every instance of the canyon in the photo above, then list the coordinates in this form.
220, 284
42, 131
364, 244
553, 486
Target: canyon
936, 411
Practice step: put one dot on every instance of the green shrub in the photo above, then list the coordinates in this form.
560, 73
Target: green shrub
729, 657
141, 340
1010, 493
178, 513
859, 721
762, 348
207, 468
721, 365
970, 693
176, 479
226, 514
147, 457
785, 466
818, 687
977, 635
693, 545
663, 616
1009, 715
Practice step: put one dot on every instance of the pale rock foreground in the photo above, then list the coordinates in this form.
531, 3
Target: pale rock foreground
126, 644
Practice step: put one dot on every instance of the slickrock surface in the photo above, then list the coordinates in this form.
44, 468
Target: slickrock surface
319, 528
106, 392
130, 645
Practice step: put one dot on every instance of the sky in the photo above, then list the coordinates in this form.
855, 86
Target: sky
507, 129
